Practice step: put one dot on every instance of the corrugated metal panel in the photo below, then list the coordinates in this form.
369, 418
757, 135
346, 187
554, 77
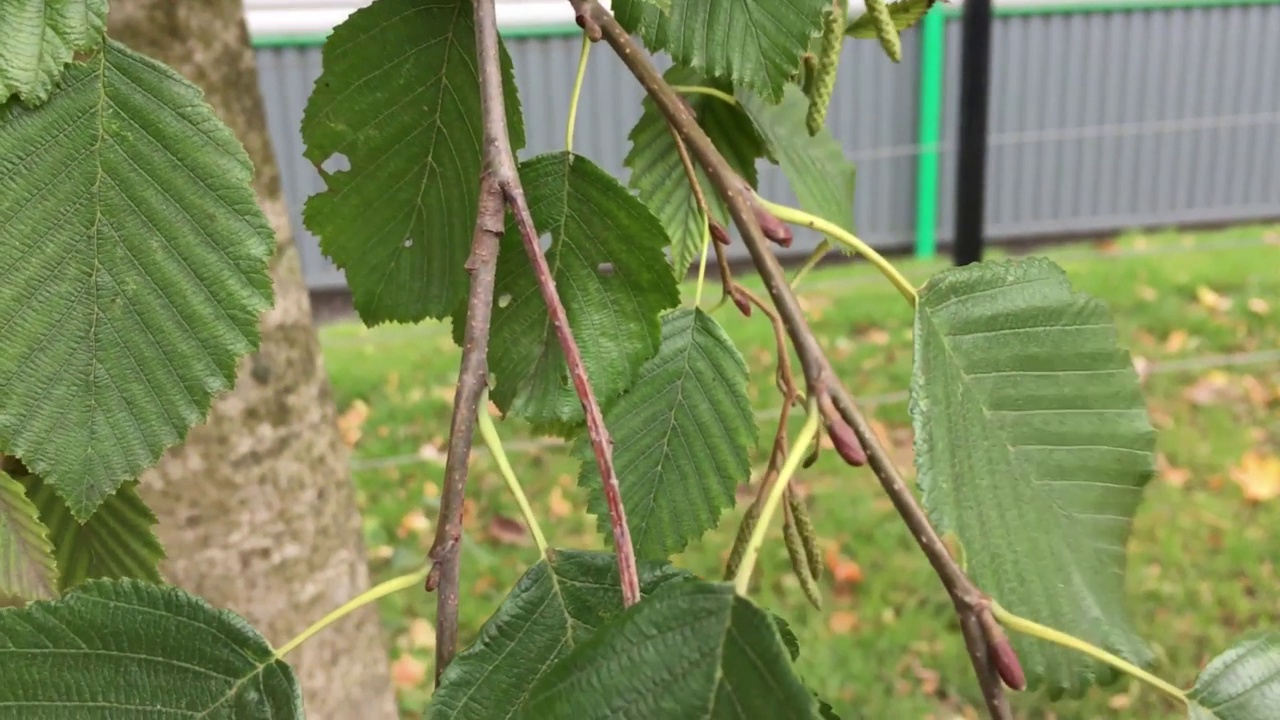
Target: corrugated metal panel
1099, 121
1102, 121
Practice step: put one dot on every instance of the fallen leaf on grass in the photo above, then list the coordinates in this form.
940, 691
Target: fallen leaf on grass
1211, 389
432, 454
844, 571
1210, 299
415, 522
422, 635
1142, 366
1176, 341
1258, 476
508, 531
1258, 306
351, 422
408, 672
1147, 293
558, 506
842, 622
875, 336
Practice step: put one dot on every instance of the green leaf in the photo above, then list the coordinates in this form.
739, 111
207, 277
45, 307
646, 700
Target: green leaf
135, 268
693, 650
815, 166
658, 175
124, 648
117, 541
399, 97
27, 567
39, 39
1033, 446
1242, 683
606, 258
753, 44
556, 605
682, 437
905, 13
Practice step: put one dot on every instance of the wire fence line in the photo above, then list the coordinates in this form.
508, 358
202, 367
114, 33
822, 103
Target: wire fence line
1203, 362
1073, 253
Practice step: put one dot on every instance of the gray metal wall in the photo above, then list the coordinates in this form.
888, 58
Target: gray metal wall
1099, 121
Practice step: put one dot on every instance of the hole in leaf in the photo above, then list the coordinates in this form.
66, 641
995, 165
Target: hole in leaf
336, 162
504, 300
544, 242
605, 269
408, 242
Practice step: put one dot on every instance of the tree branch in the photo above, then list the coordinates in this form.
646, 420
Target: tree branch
501, 162
819, 376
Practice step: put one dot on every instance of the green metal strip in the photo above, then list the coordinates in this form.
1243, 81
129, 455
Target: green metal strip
1107, 6
317, 39
933, 38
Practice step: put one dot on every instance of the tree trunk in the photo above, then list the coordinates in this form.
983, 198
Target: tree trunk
257, 511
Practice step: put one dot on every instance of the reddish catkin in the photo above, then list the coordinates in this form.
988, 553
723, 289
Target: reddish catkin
1007, 664
719, 234
744, 305
773, 228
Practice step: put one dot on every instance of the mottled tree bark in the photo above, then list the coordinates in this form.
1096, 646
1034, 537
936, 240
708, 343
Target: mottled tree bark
257, 511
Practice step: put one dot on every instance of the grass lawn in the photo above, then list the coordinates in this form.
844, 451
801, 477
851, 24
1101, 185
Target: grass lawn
1203, 560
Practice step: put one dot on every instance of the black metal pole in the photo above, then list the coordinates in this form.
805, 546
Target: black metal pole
975, 90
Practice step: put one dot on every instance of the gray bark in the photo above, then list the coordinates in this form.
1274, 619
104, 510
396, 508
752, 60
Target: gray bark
257, 511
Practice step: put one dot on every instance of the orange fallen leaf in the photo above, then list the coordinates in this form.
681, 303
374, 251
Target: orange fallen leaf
842, 622
508, 531
432, 454
1258, 476
843, 570
558, 506
408, 672
875, 336
1212, 388
1170, 473
415, 522
1176, 341
351, 422
1258, 306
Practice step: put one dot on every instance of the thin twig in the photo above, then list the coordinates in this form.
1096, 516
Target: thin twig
502, 162
817, 371
472, 374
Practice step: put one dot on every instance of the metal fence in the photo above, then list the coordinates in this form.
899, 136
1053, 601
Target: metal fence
1102, 118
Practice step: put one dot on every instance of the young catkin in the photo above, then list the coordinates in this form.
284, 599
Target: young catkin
799, 561
886, 29
808, 538
824, 71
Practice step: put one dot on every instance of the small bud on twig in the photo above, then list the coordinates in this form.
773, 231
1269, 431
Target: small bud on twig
743, 304
1007, 665
845, 441
719, 234
774, 229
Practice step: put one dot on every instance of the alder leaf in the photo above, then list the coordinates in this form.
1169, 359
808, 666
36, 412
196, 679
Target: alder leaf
135, 269
815, 166
905, 13
658, 174
754, 44
606, 258
556, 605
125, 648
709, 653
1242, 683
117, 541
682, 437
40, 37
27, 567
1033, 446
399, 98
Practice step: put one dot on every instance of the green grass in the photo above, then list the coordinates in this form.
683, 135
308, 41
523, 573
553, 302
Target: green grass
1203, 562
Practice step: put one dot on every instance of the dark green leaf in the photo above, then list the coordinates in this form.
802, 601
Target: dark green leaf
681, 437
135, 269
39, 38
27, 567
400, 99
905, 13
1033, 446
558, 604
693, 650
754, 44
127, 649
117, 541
1242, 683
606, 258
659, 176
815, 165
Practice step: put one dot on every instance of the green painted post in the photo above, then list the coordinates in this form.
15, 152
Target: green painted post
932, 48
